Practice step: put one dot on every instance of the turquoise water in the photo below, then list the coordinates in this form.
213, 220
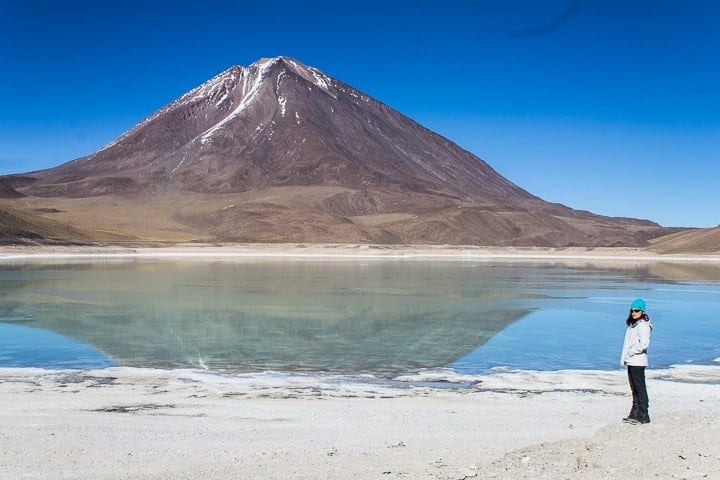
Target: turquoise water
380, 317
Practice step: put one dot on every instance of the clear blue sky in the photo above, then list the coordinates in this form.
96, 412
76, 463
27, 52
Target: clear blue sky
611, 106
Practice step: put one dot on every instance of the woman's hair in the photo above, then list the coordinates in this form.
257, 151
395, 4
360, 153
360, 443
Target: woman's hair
630, 320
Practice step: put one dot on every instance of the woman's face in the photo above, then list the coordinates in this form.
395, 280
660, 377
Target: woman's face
636, 313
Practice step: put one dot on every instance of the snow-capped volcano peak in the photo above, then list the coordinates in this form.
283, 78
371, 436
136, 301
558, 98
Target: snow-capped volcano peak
358, 171
233, 90
279, 121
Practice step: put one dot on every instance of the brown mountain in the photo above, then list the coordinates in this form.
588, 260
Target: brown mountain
279, 151
697, 240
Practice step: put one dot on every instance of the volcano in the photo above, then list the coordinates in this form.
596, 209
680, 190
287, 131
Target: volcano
281, 152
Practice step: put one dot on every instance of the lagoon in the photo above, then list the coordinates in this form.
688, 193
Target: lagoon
358, 317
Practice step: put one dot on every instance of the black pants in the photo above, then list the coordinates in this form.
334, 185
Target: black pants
636, 377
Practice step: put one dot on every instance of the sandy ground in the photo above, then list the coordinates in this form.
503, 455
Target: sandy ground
150, 424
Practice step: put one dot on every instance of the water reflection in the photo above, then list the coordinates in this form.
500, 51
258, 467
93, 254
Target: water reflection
378, 317
22, 346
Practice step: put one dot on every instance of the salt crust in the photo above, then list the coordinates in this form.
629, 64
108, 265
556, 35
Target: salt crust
167, 424
345, 252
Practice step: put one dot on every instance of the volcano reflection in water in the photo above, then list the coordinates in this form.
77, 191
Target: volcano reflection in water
380, 317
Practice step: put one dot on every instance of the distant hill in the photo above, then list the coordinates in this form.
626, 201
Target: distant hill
699, 241
281, 152
7, 191
20, 227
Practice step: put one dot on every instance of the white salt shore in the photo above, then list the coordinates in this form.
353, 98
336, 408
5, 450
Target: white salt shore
265, 252
122, 423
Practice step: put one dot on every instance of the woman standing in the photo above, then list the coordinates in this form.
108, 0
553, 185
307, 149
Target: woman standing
634, 356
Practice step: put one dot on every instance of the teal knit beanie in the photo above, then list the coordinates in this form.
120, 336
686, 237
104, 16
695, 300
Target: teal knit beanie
638, 303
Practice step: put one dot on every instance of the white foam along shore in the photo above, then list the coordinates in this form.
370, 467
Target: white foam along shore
345, 252
167, 424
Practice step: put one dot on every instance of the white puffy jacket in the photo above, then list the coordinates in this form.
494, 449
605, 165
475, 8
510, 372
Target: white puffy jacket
637, 341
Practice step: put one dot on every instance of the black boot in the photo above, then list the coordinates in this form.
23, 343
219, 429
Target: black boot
642, 415
633, 415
